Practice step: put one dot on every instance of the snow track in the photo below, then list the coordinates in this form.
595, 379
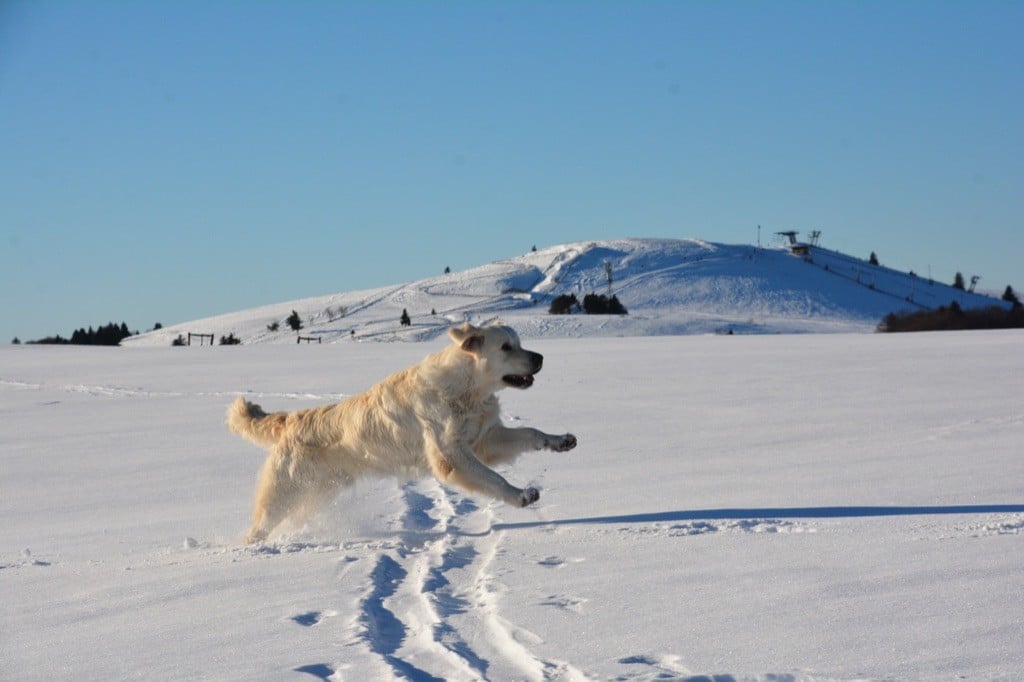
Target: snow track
427, 603
431, 607
428, 598
105, 391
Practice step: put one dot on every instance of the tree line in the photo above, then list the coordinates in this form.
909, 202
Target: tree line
593, 304
110, 334
954, 318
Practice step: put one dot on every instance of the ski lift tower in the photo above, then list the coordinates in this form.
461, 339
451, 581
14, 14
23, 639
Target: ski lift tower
795, 247
791, 235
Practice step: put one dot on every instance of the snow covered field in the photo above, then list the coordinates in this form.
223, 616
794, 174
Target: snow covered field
764, 507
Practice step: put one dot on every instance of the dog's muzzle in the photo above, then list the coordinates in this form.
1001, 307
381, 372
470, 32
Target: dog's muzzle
525, 380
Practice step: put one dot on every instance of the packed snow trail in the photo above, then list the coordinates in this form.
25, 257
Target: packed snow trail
432, 605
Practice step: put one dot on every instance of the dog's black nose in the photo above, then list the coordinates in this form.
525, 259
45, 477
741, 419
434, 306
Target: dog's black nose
537, 360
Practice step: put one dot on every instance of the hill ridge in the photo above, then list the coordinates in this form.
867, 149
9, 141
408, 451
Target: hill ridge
669, 287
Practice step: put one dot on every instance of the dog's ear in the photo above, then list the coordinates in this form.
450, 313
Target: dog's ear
460, 333
473, 344
468, 337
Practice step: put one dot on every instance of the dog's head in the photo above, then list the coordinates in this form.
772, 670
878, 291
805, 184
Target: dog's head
499, 354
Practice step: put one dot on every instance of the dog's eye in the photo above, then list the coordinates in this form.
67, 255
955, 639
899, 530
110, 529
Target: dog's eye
507, 347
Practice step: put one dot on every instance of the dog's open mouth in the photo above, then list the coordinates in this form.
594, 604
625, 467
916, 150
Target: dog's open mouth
518, 380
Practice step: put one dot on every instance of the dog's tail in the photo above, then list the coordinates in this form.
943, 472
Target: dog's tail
251, 422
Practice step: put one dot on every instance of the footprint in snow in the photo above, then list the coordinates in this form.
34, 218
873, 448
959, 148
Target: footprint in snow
1013, 525
558, 562
313, 617
574, 604
662, 667
693, 528
766, 526
27, 560
321, 670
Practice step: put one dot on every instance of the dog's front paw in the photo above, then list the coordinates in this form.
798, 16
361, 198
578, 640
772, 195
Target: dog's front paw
528, 497
562, 443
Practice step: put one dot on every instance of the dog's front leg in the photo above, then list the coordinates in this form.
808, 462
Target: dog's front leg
457, 465
501, 444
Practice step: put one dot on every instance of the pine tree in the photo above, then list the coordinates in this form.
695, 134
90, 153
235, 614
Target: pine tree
1011, 296
563, 304
958, 282
294, 321
405, 318
873, 259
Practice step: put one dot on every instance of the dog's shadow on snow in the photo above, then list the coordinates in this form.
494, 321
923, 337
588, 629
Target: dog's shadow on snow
769, 513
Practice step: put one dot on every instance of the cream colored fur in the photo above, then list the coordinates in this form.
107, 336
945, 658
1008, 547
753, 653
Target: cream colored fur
438, 417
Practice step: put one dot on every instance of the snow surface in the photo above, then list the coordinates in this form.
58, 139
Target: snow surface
669, 287
809, 507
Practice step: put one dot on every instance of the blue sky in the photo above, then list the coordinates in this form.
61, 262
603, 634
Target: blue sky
164, 161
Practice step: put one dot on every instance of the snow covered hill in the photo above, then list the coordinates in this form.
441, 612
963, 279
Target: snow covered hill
669, 287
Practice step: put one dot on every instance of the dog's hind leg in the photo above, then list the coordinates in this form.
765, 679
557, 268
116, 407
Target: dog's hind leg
277, 495
317, 497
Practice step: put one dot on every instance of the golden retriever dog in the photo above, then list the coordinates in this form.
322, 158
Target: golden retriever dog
439, 417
